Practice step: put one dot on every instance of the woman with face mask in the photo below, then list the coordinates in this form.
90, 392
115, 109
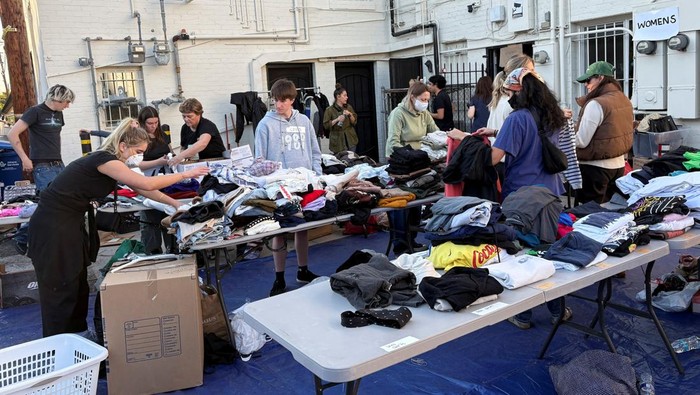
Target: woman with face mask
410, 120
61, 246
408, 123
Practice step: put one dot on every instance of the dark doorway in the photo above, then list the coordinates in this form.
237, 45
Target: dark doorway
494, 62
301, 74
358, 79
403, 70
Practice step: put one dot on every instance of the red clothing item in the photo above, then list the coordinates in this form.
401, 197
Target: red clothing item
311, 196
452, 190
183, 194
562, 229
127, 193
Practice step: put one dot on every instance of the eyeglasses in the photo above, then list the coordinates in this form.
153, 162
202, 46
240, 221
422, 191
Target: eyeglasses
588, 80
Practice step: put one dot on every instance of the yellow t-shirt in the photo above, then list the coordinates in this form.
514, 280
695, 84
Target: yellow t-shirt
448, 255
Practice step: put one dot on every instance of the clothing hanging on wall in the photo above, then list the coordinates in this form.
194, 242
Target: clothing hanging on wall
249, 108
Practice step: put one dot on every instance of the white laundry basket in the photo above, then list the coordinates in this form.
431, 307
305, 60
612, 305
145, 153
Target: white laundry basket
60, 364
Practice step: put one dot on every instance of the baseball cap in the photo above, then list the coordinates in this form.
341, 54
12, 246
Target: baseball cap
515, 78
598, 68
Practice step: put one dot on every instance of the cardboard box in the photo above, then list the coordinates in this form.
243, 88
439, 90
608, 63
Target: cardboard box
152, 321
189, 165
18, 285
241, 156
315, 233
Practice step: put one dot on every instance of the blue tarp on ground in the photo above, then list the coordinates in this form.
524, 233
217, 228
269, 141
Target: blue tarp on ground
500, 359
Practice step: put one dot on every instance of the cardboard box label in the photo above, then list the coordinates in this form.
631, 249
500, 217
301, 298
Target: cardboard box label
152, 338
241, 156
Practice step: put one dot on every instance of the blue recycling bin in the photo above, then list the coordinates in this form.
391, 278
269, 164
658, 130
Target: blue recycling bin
10, 164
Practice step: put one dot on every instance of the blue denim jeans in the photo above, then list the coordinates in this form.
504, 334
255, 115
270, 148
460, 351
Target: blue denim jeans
554, 307
43, 173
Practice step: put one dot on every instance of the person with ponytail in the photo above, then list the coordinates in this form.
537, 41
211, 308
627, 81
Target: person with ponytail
61, 246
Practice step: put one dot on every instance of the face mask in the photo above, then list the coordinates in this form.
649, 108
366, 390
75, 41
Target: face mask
419, 105
134, 161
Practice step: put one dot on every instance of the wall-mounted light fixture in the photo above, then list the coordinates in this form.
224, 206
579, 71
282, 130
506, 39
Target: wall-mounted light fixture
646, 47
540, 57
85, 61
679, 42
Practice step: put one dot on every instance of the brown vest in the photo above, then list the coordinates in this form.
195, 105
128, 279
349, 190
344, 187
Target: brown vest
614, 135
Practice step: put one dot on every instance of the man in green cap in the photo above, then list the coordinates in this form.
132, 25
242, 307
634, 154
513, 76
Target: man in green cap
604, 133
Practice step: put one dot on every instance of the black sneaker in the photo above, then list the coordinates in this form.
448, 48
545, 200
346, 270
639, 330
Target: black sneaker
278, 287
305, 276
21, 248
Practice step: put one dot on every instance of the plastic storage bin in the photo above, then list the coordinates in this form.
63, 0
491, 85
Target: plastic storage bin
10, 164
60, 364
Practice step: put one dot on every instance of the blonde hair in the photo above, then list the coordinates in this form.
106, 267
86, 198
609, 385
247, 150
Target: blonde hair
60, 93
124, 133
515, 62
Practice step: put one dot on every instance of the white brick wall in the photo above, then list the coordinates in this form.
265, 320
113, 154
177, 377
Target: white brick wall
212, 67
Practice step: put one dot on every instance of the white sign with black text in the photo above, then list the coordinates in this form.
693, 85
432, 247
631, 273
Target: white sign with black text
656, 25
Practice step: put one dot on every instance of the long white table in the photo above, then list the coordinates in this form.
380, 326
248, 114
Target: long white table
567, 282
13, 220
307, 322
687, 240
216, 253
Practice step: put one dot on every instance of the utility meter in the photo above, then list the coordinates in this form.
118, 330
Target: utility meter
161, 52
137, 53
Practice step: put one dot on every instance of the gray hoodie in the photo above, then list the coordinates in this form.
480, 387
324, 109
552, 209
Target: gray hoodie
292, 142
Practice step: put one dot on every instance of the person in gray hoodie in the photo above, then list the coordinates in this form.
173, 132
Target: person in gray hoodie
284, 135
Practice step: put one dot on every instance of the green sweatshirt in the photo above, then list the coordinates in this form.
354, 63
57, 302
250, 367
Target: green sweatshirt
407, 127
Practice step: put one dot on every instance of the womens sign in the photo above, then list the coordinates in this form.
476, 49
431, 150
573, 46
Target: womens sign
656, 25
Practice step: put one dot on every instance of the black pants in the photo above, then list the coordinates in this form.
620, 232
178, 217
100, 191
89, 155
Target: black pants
598, 184
64, 304
401, 220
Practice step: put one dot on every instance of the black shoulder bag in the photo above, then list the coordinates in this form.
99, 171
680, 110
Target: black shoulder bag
553, 158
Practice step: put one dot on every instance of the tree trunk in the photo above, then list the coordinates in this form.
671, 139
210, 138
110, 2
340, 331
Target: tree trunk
19, 63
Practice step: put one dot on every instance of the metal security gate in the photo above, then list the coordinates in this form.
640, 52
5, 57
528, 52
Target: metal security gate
461, 82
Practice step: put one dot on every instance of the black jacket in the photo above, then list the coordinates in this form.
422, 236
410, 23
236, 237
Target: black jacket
249, 108
471, 164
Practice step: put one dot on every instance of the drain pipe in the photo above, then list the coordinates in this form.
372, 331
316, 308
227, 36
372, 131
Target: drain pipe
94, 81
176, 60
162, 17
564, 94
433, 25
